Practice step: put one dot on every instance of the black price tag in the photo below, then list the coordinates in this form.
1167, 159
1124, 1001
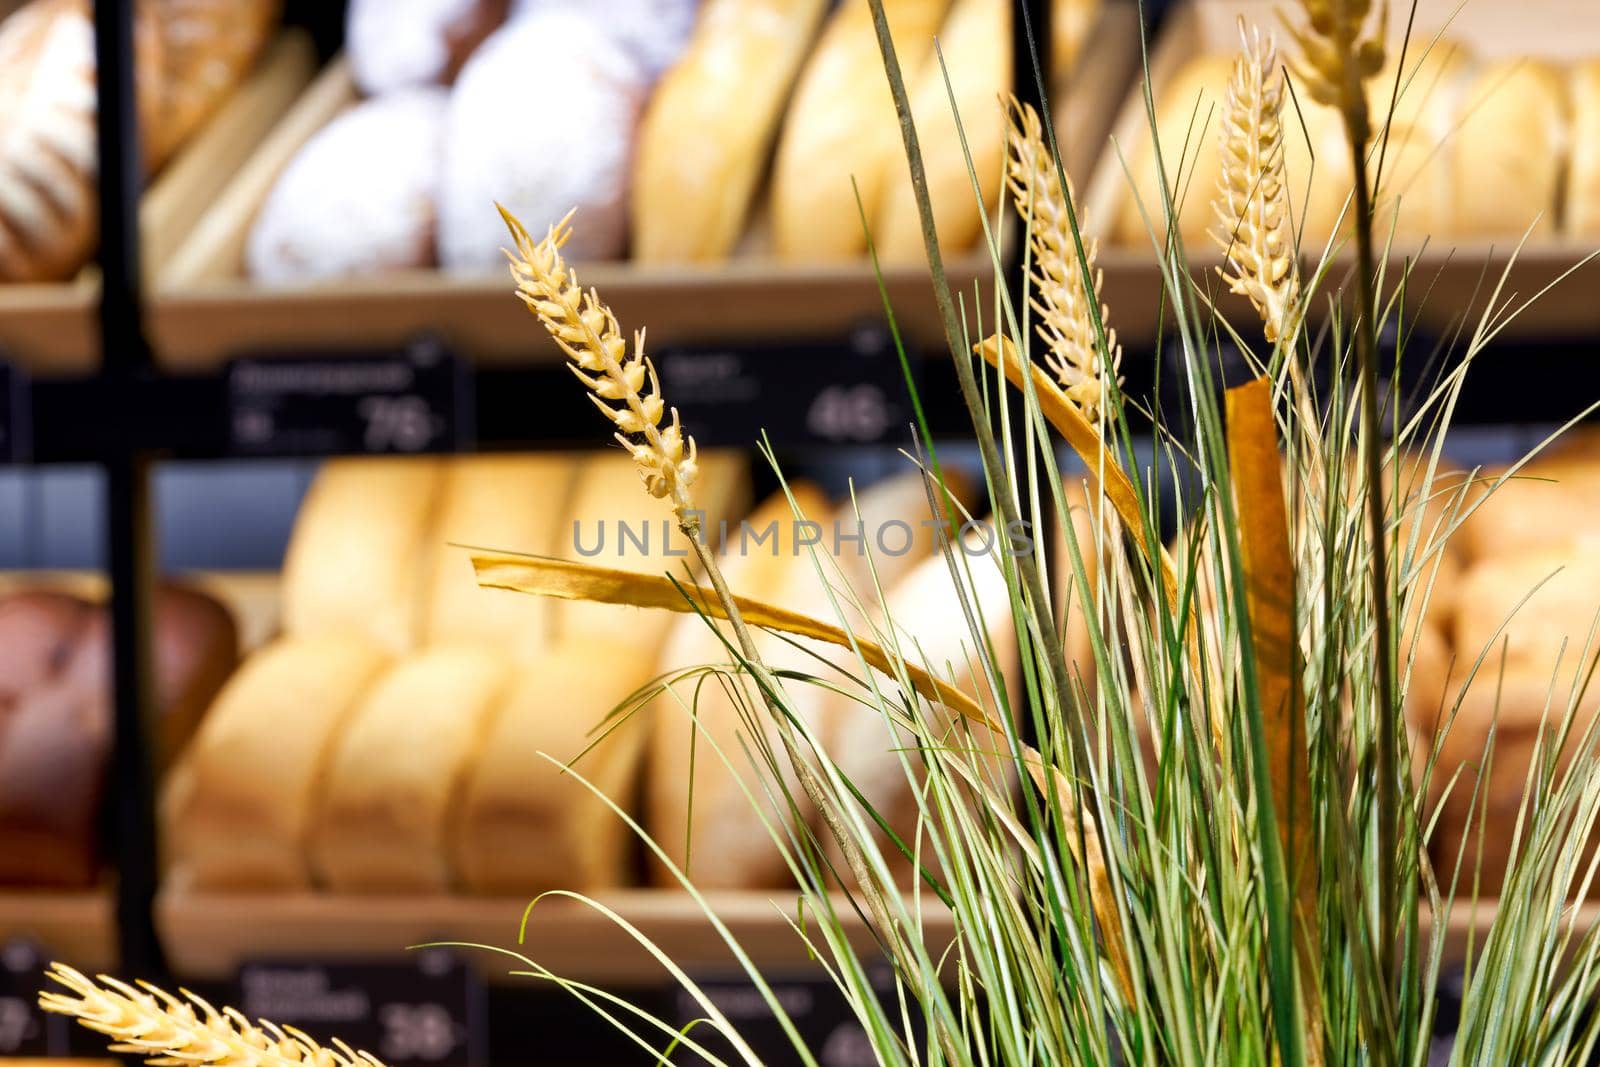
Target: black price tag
820, 1014
25, 1029
852, 393
16, 437
427, 1008
411, 401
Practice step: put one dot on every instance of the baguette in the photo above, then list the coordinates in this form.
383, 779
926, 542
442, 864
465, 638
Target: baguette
237, 812
524, 825
842, 129
395, 774
706, 134
976, 45
362, 544
506, 503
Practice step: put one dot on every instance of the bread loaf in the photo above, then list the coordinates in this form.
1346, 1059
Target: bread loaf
238, 811
207, 47
1509, 151
1093, 523
401, 44
55, 756
38, 630
611, 521
725, 841
1582, 215
976, 44
1548, 504
576, 155
705, 137
841, 128
931, 631
48, 222
890, 527
1546, 600
359, 197
523, 825
362, 545
395, 773
1070, 24
504, 503
653, 31
1415, 194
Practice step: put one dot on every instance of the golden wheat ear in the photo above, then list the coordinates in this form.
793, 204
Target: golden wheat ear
1337, 58
1252, 202
172, 1032
1065, 305
621, 384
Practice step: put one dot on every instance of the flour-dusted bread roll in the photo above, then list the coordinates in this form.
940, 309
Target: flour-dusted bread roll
395, 772
653, 31
726, 841
207, 47
976, 43
359, 197
611, 521
401, 44
931, 631
237, 812
1583, 176
1509, 151
47, 135
362, 546
503, 503
704, 140
574, 153
841, 128
523, 825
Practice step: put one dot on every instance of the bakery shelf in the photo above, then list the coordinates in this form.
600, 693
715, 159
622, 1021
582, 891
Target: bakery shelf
205, 312
77, 927
207, 935
52, 329
1453, 279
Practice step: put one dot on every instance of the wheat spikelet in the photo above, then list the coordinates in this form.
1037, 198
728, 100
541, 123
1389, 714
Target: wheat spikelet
170, 1032
1252, 202
1336, 60
1066, 321
624, 387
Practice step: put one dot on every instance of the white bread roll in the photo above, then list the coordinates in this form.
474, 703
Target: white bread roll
1583, 177
576, 153
237, 812
358, 198
396, 772
976, 42
48, 204
727, 842
525, 826
361, 547
505, 503
705, 137
932, 632
1508, 154
842, 127
401, 44
653, 31
612, 521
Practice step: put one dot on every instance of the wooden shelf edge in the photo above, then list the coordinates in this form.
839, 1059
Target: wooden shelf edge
207, 935
75, 927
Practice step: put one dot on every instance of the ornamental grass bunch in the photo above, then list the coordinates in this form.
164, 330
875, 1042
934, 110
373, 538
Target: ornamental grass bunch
1217, 850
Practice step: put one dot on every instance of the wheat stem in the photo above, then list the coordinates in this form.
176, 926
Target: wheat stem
171, 1032
1064, 304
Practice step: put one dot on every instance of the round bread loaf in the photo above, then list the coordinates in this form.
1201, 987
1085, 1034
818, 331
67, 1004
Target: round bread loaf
207, 47
653, 31
397, 44
38, 630
47, 135
1509, 151
359, 196
539, 161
